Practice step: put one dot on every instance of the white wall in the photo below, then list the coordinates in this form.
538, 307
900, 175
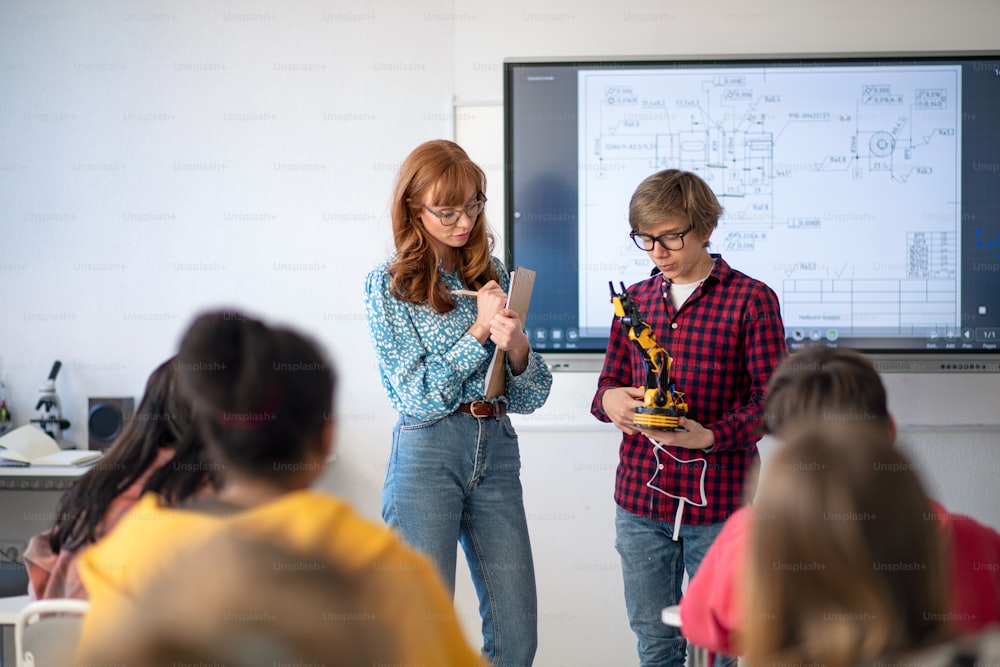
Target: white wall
161, 157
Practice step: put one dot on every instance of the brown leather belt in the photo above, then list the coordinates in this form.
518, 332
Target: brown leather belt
480, 409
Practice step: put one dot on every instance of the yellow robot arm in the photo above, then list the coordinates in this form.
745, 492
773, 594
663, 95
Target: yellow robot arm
663, 405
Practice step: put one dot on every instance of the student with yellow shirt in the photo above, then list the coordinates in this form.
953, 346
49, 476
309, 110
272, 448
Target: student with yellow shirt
262, 396
300, 606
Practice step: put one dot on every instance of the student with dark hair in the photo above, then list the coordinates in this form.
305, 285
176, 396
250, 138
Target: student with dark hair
723, 329
156, 451
827, 387
262, 398
453, 476
843, 568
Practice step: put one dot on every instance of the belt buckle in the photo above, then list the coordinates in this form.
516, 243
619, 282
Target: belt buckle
485, 404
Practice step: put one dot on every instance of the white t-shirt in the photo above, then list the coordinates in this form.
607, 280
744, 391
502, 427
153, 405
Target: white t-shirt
680, 293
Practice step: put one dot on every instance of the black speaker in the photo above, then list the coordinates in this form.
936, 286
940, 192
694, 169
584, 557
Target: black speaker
106, 417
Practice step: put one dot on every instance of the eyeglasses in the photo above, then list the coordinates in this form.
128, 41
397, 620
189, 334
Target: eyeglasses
671, 241
450, 216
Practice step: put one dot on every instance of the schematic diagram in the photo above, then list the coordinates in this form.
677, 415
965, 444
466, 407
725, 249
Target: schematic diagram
825, 173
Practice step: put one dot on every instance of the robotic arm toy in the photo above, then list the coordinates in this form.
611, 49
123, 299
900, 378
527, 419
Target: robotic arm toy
663, 405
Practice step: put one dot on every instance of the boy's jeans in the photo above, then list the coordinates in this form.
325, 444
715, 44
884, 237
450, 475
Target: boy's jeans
653, 567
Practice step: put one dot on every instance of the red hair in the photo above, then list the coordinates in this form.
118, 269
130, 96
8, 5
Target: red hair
446, 169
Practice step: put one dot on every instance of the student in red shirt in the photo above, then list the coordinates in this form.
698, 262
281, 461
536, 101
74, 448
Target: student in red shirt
835, 385
724, 332
843, 568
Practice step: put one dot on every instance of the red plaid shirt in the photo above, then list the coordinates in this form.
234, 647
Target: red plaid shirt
725, 341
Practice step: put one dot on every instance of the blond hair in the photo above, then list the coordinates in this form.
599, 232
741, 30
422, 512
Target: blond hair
671, 194
846, 564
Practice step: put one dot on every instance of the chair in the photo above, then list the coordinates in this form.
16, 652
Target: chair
47, 632
13, 579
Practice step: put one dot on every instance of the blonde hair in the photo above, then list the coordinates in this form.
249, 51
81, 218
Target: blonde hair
444, 168
672, 193
846, 564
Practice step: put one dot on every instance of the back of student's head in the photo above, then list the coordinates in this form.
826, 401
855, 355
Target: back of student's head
252, 602
162, 420
825, 385
672, 193
846, 565
261, 394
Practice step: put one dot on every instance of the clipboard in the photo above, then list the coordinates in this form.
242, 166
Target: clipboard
522, 281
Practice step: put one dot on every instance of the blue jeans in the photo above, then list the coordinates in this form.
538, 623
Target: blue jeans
457, 480
653, 567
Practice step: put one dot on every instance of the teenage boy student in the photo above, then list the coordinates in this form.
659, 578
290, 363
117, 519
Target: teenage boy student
834, 385
724, 333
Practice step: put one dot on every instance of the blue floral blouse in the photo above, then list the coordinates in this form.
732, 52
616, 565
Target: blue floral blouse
428, 362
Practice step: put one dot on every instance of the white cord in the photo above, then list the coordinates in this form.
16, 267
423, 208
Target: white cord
657, 448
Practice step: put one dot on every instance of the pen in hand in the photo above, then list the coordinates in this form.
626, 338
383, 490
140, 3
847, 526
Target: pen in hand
464, 292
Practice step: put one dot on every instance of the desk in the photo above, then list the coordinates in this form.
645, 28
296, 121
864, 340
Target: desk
10, 608
39, 478
28, 500
672, 616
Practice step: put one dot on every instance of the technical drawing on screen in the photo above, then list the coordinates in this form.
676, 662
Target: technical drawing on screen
862, 188
824, 160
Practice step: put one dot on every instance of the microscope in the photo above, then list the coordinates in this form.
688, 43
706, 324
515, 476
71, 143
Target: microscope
49, 409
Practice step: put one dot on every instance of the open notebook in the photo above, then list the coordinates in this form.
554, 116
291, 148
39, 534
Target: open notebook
30, 445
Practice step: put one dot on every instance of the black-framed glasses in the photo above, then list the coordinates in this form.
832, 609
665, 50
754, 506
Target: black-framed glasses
450, 216
671, 241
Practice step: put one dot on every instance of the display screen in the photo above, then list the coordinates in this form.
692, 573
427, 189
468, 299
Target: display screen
865, 191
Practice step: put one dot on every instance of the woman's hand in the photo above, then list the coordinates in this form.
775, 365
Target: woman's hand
508, 334
490, 300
